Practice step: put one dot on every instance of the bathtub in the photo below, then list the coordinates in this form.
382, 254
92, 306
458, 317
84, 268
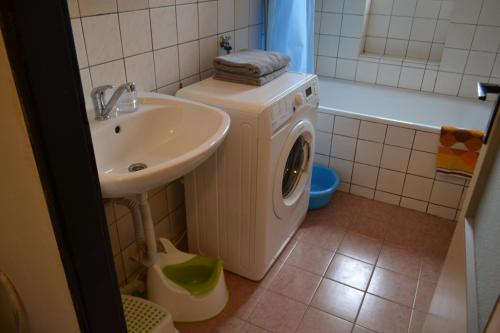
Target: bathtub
383, 141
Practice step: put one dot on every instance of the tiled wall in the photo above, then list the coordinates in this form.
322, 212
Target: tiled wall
408, 29
387, 163
169, 217
158, 44
470, 51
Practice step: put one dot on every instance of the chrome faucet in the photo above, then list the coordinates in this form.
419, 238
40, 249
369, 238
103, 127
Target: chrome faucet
101, 108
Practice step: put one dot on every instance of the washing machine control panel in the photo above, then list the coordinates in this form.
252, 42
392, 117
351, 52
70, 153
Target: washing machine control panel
283, 109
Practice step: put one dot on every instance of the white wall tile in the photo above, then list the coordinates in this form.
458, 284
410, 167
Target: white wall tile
375, 45
189, 59
96, 7
466, 11
486, 39
372, 131
349, 48
396, 47
346, 126
328, 45
428, 8
330, 24
389, 198
395, 158
447, 9
480, 63
468, 88
404, 7
364, 175
490, 13
378, 25
140, 69
366, 72
346, 69
388, 75
352, 25
343, 147
368, 152
161, 3
423, 29
441, 32
207, 22
325, 66
324, 122
354, 7
343, 168
241, 39
416, 187
112, 73
400, 27
208, 51
225, 15
323, 160
163, 27
446, 194
241, 13
448, 83
418, 50
444, 212
81, 52
429, 80
334, 6
414, 204
166, 66
422, 164
454, 60
390, 181
460, 36
129, 5
136, 32
425, 141
102, 38
383, 7
399, 136
323, 143
187, 22
411, 78
362, 191
344, 187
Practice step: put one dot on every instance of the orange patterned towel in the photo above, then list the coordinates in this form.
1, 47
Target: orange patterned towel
458, 151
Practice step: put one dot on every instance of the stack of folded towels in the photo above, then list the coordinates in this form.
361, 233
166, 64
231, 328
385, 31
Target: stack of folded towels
255, 67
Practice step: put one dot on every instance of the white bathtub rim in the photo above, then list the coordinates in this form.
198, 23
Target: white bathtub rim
378, 119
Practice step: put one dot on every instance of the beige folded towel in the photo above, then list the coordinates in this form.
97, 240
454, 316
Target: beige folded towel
255, 81
252, 63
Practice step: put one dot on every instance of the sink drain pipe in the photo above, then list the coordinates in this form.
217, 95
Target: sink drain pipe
133, 206
149, 229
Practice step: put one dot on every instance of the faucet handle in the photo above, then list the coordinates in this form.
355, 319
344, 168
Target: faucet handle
97, 95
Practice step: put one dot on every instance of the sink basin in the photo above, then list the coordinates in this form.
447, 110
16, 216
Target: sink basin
165, 139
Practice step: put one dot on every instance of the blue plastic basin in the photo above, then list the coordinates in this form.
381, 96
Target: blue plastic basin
324, 182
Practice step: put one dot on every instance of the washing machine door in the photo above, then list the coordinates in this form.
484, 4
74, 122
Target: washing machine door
293, 172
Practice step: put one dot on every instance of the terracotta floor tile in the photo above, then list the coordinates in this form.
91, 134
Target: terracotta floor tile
295, 283
271, 274
321, 322
349, 271
359, 329
277, 313
417, 322
431, 268
360, 247
249, 328
383, 316
400, 260
369, 227
393, 286
425, 292
322, 235
332, 215
208, 326
287, 250
311, 258
406, 233
226, 324
377, 210
337, 299
243, 296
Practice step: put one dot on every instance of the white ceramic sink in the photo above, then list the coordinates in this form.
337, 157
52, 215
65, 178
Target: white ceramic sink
171, 136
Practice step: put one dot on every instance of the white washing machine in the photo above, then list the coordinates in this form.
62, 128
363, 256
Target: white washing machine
245, 203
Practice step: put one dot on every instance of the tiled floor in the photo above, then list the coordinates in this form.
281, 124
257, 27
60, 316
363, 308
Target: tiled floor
355, 266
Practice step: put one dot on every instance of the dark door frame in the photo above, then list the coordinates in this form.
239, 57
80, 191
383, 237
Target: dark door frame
42, 55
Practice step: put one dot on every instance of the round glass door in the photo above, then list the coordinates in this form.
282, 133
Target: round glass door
295, 165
